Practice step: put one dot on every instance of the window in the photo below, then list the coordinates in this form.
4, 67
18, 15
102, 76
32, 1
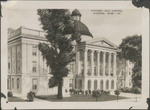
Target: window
8, 65
34, 84
82, 68
89, 56
18, 83
8, 84
107, 84
34, 50
95, 84
70, 83
12, 82
34, 67
81, 55
89, 84
130, 71
130, 82
95, 72
80, 84
112, 84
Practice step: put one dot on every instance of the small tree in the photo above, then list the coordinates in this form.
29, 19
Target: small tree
96, 94
117, 92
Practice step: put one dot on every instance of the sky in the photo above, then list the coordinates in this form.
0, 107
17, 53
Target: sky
113, 27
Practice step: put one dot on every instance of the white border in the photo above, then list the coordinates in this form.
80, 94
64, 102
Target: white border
73, 5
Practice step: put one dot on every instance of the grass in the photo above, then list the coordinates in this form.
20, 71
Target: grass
16, 99
79, 98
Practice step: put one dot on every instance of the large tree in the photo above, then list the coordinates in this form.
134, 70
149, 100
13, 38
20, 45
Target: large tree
58, 51
131, 49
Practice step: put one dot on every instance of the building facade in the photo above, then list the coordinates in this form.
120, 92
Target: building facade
124, 73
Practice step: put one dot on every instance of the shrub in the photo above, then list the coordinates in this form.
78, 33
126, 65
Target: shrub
82, 92
127, 90
90, 92
71, 91
75, 91
136, 90
10, 94
108, 92
31, 95
86, 92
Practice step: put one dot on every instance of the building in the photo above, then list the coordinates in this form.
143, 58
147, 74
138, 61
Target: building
124, 73
94, 68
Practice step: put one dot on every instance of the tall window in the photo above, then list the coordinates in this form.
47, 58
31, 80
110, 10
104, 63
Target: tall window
130, 82
9, 65
81, 55
34, 50
8, 84
80, 84
12, 82
34, 68
107, 84
95, 84
112, 84
129, 71
70, 83
18, 83
34, 84
89, 84
101, 84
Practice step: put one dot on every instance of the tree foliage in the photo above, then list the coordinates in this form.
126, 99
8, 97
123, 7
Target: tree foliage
131, 49
141, 3
58, 52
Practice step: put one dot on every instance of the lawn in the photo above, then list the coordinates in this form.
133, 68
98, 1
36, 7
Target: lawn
16, 99
79, 98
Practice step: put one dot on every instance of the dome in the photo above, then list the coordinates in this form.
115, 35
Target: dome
79, 27
76, 13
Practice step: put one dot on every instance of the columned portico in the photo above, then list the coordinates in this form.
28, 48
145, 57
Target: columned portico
99, 65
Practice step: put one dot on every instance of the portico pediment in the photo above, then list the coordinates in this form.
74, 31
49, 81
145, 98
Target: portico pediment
102, 42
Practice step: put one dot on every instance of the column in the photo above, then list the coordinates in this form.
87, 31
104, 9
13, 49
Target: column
92, 62
78, 62
109, 64
114, 71
98, 62
104, 57
85, 62
114, 65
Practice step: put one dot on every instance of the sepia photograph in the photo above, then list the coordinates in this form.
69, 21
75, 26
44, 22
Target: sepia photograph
73, 55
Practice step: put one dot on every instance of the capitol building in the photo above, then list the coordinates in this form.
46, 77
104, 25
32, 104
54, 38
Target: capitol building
93, 69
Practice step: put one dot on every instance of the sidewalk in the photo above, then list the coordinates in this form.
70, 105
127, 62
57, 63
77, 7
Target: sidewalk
131, 97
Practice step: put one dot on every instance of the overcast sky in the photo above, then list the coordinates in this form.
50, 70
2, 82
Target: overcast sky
113, 27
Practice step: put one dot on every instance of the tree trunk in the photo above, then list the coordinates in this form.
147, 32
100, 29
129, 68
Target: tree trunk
117, 98
59, 95
96, 99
